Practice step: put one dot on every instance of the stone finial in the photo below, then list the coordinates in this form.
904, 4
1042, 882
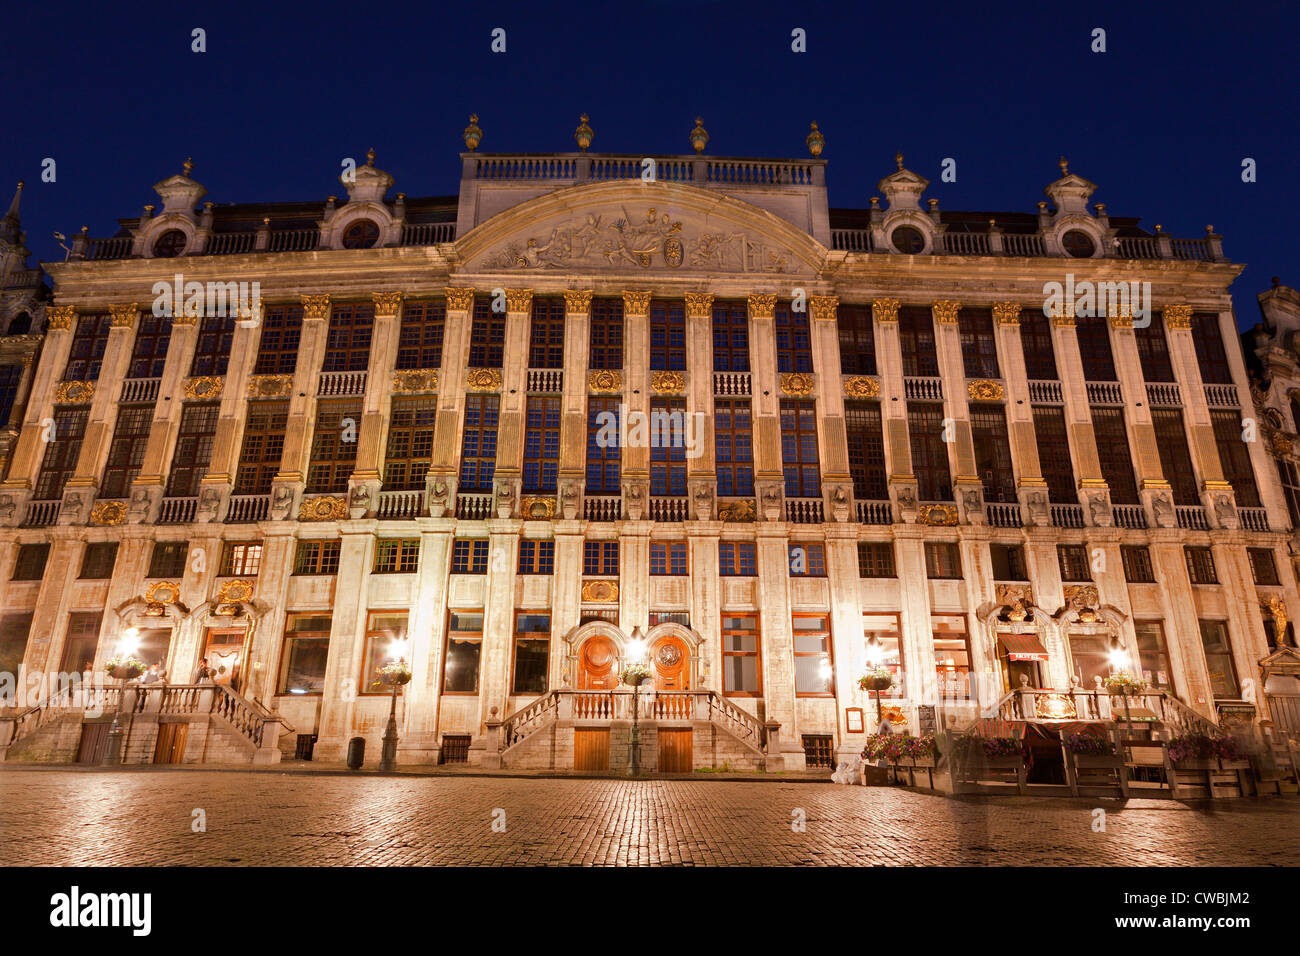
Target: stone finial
187, 166
473, 135
898, 158
816, 141
370, 156
699, 135
584, 134
1065, 166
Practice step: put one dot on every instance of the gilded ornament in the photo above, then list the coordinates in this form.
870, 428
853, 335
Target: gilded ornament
1016, 598
386, 303
584, 133
1006, 313
316, 306
473, 133
577, 300
862, 386
59, 317
1281, 444
416, 380
1063, 316
163, 592
234, 591
797, 383
327, 508
537, 508
885, 310
519, 300
815, 141
600, 592
73, 393
124, 316
1277, 608
699, 135
483, 380
459, 300
605, 382
699, 305
1178, 316
745, 510
945, 311
108, 512
667, 383
204, 386
636, 303
824, 308
269, 386
982, 390
762, 305
938, 514
1121, 317
1083, 599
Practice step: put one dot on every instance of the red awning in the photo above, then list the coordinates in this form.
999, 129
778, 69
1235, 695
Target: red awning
1023, 647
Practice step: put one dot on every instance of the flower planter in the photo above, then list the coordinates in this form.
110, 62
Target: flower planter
1096, 761
876, 683
394, 680
125, 672
1193, 765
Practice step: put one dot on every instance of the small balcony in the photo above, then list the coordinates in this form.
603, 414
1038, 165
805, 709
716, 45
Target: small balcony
473, 506
342, 384
400, 505
602, 508
248, 509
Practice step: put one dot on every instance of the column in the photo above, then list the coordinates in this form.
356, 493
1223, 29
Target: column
832, 435
498, 618
1128, 366
917, 631
50, 617
514, 389
636, 394
234, 406
573, 412
302, 396
893, 409
1182, 626
378, 399
25, 461
167, 414
777, 635
347, 630
846, 626
1019, 405
952, 372
701, 467
1078, 418
1196, 415
566, 597
451, 407
426, 630
769, 478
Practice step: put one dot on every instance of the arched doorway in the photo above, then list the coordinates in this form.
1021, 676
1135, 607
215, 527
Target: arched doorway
670, 659
597, 664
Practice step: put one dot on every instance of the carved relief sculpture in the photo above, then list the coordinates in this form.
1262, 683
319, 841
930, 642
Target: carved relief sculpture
325, 508
282, 503
108, 512
862, 386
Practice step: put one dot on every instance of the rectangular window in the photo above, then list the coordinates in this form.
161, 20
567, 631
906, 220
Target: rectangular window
1073, 560
799, 458
600, 558
546, 332
487, 335
1218, 660
1153, 655
1008, 562
410, 443
1113, 454
30, 565
98, 560
814, 664
670, 617
541, 444
1289, 477
668, 557
470, 556
277, 349
1095, 355
194, 438
532, 652
14, 630
212, 348
241, 559
87, 351
1137, 564
82, 641
1207, 337
604, 453
1263, 567
1175, 456
884, 637
1200, 565
333, 446
668, 447
306, 652
807, 559
951, 653
857, 331
737, 559
1036, 343
316, 557
10, 377
1153, 350
61, 451
979, 348
126, 451
1090, 657
942, 560
464, 646
385, 637
866, 440
1234, 458
153, 334
916, 340
478, 449
347, 343
1054, 453
876, 559
397, 556
168, 559
606, 333
536, 557
730, 335
259, 458
793, 340
993, 452
740, 656
734, 447
667, 335
419, 342
929, 451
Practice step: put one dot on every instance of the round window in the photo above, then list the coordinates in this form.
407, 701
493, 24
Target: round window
1078, 244
907, 239
170, 244
362, 234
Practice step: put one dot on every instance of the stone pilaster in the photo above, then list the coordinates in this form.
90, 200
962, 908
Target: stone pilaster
846, 627
514, 388
893, 409
566, 597
701, 468
1078, 411
427, 631
25, 460
1142, 435
1019, 410
706, 598
498, 619
961, 450
832, 435
378, 400
450, 417
167, 414
347, 642
778, 639
302, 395
769, 479
573, 407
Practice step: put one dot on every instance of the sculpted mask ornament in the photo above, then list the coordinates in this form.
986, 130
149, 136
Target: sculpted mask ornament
282, 503
439, 492
1037, 504
505, 500
570, 499
74, 507
209, 504
703, 503
1099, 509
1224, 511
1163, 510
139, 510
6, 507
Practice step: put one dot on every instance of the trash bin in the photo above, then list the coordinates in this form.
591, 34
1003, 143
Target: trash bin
356, 753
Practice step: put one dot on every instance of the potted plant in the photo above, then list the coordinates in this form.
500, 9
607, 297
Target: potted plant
125, 668
634, 675
395, 674
877, 679
1206, 752
1124, 684
1090, 751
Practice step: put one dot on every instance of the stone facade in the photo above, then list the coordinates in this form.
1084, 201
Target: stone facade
580, 235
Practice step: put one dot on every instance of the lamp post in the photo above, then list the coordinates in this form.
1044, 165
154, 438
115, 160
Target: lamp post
127, 645
1119, 660
875, 654
394, 674
636, 651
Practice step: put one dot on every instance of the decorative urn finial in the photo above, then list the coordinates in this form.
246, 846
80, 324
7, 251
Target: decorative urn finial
187, 166
898, 158
699, 135
816, 141
1065, 166
473, 135
584, 133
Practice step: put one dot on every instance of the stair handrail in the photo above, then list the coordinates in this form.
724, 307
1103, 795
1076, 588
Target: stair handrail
527, 719
732, 718
246, 717
1007, 702
1185, 719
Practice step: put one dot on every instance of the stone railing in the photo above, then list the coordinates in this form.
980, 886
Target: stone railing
1253, 519
1067, 516
293, 240
670, 509
178, 510
1164, 394
1045, 391
41, 514
1192, 517
851, 240
529, 718
1129, 516
1018, 244
1222, 396
700, 170
925, 388
1031, 245
731, 383
1101, 705
428, 233
966, 243
1002, 514
115, 247
805, 510
473, 506
1105, 393
246, 509
545, 380
400, 505
336, 384
229, 243
602, 508
1138, 247
140, 390
875, 512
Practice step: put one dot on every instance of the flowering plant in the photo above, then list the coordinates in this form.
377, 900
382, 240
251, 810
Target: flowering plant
896, 747
635, 674
991, 746
1089, 745
1204, 747
395, 672
1124, 683
131, 665
878, 678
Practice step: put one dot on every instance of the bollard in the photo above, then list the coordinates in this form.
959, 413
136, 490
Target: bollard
356, 753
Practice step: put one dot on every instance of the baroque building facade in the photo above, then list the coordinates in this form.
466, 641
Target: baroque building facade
842, 435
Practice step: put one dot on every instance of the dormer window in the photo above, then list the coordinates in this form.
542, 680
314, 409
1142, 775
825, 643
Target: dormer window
907, 240
362, 234
1078, 244
170, 244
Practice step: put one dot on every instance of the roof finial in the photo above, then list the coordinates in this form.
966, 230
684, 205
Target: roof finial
699, 136
187, 166
583, 134
1065, 166
473, 134
370, 156
898, 158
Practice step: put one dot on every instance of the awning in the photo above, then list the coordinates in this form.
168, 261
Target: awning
1022, 647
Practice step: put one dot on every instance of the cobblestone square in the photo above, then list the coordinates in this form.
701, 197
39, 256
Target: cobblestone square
134, 818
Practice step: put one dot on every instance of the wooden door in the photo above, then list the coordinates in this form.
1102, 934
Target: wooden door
170, 746
671, 664
591, 749
224, 650
598, 665
676, 751
94, 740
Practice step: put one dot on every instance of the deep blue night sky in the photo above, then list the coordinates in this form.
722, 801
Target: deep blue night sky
1161, 122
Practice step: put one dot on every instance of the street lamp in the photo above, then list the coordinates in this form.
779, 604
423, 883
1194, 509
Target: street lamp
395, 673
875, 655
1119, 660
636, 651
124, 668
